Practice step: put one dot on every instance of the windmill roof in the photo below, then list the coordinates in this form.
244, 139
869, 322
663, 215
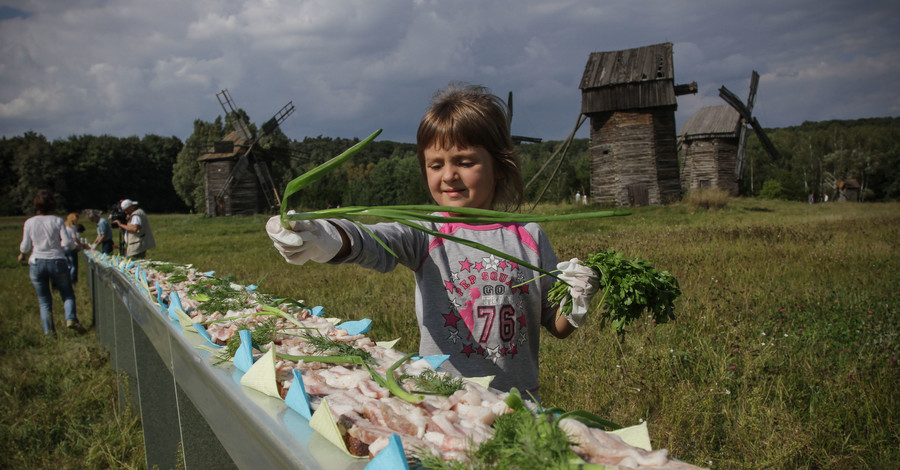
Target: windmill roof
641, 64
712, 121
240, 147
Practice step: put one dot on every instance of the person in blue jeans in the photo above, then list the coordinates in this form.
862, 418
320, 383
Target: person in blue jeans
46, 238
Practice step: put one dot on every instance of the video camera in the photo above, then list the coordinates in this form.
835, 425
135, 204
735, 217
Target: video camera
117, 214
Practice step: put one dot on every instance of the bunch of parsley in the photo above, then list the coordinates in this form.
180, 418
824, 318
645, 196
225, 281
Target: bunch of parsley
630, 287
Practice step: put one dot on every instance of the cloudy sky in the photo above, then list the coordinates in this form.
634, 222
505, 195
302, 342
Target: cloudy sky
136, 67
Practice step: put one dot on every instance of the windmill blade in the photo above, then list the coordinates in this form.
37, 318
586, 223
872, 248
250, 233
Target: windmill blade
237, 171
742, 136
509, 110
278, 118
228, 106
764, 139
754, 82
266, 183
735, 103
742, 146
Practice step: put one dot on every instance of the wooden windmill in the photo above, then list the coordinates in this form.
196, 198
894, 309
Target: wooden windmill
747, 118
236, 176
713, 142
629, 96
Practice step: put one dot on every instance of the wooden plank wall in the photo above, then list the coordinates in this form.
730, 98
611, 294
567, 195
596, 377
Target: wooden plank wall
666, 152
634, 151
710, 164
629, 96
244, 199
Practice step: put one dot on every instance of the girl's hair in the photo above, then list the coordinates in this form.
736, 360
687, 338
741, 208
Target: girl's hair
44, 202
466, 116
71, 219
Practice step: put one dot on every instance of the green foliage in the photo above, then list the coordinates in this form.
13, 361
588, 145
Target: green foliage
323, 345
522, 440
772, 189
187, 173
260, 335
433, 383
88, 172
815, 154
165, 176
629, 286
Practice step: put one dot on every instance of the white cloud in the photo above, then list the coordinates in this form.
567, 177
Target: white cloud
132, 67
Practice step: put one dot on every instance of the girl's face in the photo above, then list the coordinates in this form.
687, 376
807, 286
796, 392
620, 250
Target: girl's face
460, 177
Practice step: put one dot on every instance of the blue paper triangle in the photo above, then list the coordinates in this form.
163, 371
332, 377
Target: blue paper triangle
251, 287
210, 273
357, 327
296, 397
174, 302
391, 457
159, 297
243, 357
317, 311
437, 359
205, 334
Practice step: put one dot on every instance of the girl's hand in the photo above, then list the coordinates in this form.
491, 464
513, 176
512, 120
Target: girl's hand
583, 282
22, 257
316, 240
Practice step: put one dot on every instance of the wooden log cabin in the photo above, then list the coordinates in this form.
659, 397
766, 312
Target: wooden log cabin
709, 147
245, 195
629, 96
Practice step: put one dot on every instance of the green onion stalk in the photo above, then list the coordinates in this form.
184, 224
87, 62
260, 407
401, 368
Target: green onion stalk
388, 381
409, 215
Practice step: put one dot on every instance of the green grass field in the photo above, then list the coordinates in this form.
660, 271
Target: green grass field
783, 353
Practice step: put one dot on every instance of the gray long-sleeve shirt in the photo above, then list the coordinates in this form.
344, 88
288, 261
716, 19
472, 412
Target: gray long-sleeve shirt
468, 304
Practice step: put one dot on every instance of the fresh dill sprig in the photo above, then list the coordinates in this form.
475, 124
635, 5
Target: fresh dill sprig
430, 382
262, 333
326, 346
219, 296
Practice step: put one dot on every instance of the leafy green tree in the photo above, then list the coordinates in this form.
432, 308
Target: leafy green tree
771, 189
187, 173
37, 168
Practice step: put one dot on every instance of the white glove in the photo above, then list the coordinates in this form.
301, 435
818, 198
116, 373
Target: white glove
583, 282
306, 240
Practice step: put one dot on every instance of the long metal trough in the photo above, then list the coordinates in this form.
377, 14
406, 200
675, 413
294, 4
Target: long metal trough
194, 413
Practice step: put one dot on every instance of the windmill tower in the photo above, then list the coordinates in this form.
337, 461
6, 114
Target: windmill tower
236, 176
629, 96
713, 142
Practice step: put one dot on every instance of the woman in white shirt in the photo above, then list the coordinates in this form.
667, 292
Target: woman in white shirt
46, 238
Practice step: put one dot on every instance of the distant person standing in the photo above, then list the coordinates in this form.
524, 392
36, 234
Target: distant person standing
72, 255
577, 197
45, 236
138, 235
104, 233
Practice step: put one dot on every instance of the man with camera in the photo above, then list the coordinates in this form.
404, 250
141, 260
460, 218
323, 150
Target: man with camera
138, 236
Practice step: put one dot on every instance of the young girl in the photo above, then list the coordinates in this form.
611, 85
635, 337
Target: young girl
469, 304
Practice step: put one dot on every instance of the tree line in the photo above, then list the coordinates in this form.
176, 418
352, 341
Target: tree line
814, 155
164, 175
